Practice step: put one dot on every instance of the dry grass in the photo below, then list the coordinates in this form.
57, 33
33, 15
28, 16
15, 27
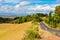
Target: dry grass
13, 31
47, 35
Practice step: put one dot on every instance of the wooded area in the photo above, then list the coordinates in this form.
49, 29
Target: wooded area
54, 20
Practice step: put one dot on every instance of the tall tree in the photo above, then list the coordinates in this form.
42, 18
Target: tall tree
57, 14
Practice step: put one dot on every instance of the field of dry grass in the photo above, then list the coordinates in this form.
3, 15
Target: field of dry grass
17, 31
13, 31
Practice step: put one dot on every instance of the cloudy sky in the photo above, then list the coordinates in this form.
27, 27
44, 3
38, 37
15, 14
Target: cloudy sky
21, 7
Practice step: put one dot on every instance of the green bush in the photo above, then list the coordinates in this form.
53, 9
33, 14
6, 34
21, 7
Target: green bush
32, 34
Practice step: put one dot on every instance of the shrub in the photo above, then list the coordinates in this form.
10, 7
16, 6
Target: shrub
32, 34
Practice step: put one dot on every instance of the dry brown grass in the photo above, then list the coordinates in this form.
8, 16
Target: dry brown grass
13, 31
47, 35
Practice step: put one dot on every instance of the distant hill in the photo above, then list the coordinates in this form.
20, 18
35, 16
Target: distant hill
7, 17
12, 14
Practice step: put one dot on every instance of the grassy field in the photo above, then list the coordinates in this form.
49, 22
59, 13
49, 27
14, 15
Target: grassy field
13, 31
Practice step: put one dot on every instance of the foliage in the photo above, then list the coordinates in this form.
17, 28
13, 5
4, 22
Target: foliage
32, 34
54, 20
34, 18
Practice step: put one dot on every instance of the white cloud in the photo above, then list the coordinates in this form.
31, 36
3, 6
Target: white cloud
27, 9
23, 3
42, 8
10, 1
1, 0
37, 7
6, 9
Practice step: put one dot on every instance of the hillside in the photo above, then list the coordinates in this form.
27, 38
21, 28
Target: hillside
13, 31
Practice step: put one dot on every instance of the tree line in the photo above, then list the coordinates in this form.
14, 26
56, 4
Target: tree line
35, 17
54, 19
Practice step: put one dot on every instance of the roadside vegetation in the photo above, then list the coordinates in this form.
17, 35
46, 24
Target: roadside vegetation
32, 33
53, 20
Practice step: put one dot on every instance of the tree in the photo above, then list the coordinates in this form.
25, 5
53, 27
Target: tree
57, 14
55, 19
57, 10
50, 16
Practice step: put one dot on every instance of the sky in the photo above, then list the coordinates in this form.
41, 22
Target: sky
22, 7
